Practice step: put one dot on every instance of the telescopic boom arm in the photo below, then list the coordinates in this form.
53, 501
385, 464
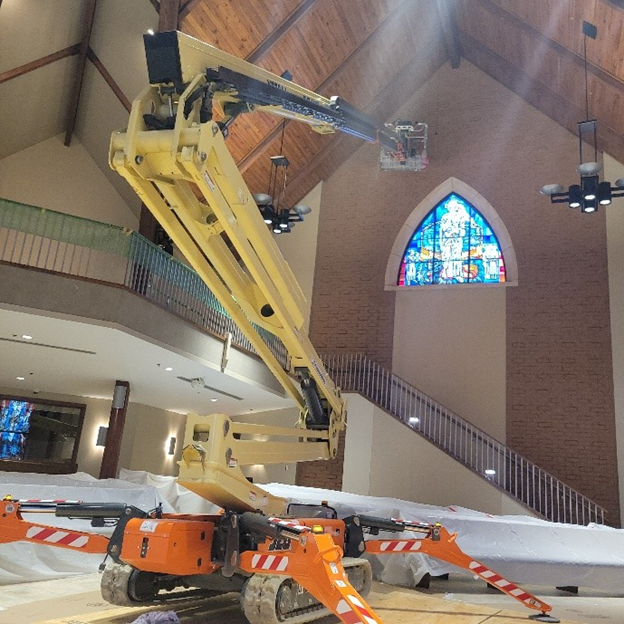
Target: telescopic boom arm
173, 154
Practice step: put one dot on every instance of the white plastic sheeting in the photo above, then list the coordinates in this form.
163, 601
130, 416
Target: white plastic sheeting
523, 549
24, 561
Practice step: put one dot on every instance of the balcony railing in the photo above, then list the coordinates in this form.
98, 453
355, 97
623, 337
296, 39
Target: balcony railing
475, 449
61, 243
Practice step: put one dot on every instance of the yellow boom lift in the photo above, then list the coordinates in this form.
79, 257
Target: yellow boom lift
291, 564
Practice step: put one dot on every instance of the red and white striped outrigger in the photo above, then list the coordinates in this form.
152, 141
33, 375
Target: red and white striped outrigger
439, 543
312, 555
15, 529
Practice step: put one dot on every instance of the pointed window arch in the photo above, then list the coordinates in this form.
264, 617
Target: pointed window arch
454, 244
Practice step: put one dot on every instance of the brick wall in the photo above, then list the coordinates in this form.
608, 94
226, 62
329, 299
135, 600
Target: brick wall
560, 410
323, 474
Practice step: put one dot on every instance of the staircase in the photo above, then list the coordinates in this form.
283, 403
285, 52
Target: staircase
505, 469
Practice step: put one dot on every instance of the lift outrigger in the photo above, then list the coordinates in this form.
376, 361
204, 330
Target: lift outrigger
154, 553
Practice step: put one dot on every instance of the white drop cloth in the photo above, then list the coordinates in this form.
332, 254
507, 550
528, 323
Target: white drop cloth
521, 548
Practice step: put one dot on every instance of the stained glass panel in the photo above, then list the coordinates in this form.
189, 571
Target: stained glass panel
14, 422
454, 244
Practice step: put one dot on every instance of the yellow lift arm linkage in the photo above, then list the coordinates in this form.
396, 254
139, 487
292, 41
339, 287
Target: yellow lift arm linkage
173, 152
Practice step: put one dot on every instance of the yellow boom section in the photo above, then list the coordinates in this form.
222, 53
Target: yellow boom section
184, 173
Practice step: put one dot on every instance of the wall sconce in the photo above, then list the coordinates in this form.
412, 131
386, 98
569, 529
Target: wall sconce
172, 446
119, 396
101, 436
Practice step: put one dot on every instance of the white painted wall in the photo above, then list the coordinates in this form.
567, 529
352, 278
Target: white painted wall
384, 458
615, 251
65, 179
450, 344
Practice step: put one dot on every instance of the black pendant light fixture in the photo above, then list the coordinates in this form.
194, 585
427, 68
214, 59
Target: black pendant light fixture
590, 193
281, 219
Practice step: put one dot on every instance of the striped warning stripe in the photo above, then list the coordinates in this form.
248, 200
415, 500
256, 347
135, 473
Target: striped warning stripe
54, 536
367, 615
346, 613
289, 524
400, 546
496, 579
269, 562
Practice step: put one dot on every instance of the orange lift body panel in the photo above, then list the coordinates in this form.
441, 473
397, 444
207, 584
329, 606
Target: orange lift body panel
169, 546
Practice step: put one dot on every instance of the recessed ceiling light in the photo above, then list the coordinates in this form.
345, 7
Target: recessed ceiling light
26, 337
150, 31
169, 368
214, 400
20, 378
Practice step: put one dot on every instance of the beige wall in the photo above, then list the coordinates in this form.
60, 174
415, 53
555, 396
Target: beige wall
383, 458
299, 247
149, 430
615, 248
65, 179
358, 446
450, 344
146, 433
271, 473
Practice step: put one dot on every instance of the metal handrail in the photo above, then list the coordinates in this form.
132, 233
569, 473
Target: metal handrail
62, 243
471, 446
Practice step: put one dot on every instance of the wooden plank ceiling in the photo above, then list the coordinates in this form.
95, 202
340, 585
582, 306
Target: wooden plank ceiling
535, 48
369, 57
375, 54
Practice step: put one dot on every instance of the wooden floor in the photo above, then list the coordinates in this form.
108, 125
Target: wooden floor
393, 605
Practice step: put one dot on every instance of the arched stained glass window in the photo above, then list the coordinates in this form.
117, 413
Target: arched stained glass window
454, 244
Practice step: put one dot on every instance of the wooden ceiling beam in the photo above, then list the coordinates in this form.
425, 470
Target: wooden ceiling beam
542, 39
264, 46
41, 62
258, 149
539, 95
156, 5
87, 27
168, 15
446, 10
92, 56
186, 8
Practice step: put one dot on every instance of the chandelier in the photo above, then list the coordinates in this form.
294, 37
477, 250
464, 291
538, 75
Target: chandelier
590, 192
279, 218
